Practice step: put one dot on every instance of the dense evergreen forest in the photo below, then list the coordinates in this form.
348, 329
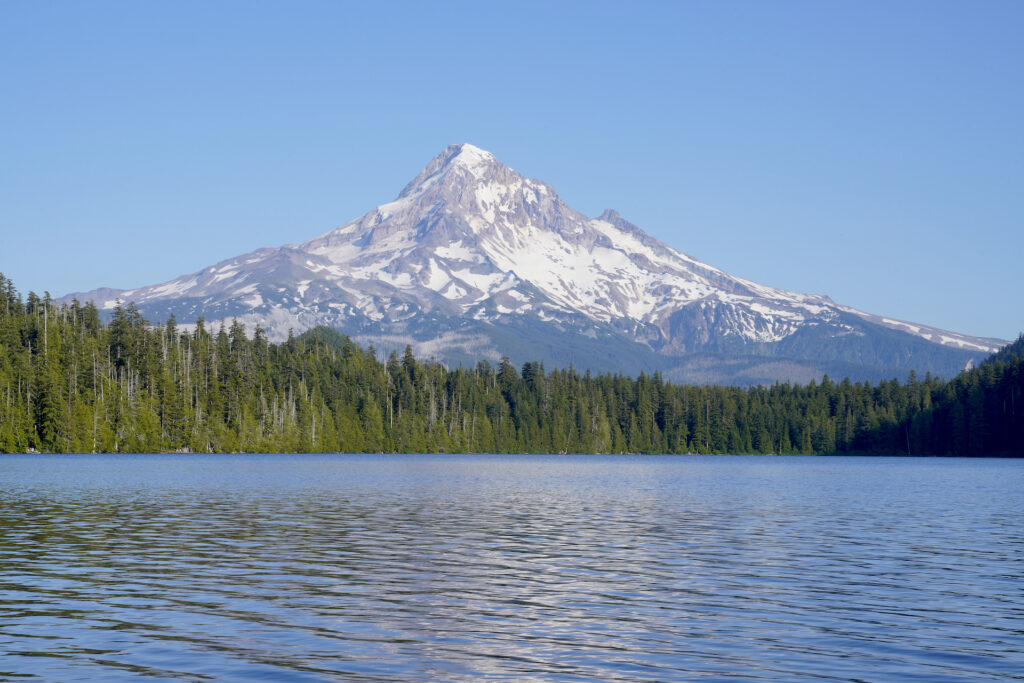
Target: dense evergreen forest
70, 383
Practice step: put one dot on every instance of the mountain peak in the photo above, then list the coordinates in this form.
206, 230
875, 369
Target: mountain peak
474, 259
468, 155
464, 156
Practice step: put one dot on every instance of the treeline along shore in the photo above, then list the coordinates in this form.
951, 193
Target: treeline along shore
71, 383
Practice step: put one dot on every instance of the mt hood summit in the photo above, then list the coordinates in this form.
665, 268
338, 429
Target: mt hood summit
474, 261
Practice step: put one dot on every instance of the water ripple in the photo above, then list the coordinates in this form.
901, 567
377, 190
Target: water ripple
311, 568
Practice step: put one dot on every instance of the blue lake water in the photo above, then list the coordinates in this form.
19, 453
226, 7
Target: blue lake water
466, 568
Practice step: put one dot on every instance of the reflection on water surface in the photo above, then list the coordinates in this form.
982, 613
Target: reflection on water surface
469, 567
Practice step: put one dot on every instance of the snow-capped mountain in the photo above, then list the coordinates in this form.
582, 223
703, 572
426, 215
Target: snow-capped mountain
473, 260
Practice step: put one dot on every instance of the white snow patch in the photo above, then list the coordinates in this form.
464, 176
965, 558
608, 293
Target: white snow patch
454, 292
457, 251
916, 329
485, 282
962, 343
399, 280
436, 278
172, 288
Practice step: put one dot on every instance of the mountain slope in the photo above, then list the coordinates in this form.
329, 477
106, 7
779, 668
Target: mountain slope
473, 260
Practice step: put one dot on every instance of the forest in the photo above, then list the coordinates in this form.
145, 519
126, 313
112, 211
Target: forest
71, 383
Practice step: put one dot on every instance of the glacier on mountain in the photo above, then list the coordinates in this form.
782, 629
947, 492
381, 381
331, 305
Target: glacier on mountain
470, 250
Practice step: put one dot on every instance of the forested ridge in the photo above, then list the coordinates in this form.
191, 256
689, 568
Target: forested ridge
70, 383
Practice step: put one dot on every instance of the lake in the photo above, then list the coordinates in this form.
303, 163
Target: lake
463, 568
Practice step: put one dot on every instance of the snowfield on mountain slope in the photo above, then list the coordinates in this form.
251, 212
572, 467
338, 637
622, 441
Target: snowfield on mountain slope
604, 273
471, 237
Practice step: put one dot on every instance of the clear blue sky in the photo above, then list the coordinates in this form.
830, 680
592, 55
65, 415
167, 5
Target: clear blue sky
873, 152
